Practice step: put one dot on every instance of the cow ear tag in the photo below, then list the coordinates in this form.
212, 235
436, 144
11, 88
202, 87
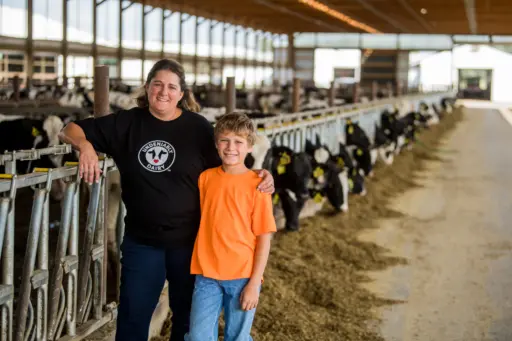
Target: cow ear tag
341, 163
350, 130
350, 184
35, 132
318, 198
359, 152
275, 199
318, 172
285, 159
281, 169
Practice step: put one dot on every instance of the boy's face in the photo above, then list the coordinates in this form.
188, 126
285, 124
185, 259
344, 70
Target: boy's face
232, 148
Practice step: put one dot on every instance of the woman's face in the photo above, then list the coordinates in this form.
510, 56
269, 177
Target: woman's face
164, 91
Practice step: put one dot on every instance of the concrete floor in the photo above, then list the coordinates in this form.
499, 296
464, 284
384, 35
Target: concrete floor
457, 237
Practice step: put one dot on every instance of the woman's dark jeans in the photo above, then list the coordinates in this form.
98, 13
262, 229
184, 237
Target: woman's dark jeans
143, 273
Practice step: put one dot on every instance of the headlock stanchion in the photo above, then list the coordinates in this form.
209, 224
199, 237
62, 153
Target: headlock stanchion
66, 299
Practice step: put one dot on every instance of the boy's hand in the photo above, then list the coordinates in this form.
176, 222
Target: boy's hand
267, 183
249, 297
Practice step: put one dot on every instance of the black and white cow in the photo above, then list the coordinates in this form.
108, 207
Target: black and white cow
384, 146
291, 171
20, 133
353, 176
359, 146
394, 128
327, 181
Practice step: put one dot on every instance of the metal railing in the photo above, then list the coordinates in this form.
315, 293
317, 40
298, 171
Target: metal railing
68, 301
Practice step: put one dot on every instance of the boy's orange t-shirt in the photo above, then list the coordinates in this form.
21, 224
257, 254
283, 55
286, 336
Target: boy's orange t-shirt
233, 214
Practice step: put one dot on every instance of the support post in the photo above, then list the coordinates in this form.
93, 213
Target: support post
101, 91
64, 46
399, 88
390, 89
296, 95
332, 91
355, 93
30, 42
16, 88
374, 90
230, 95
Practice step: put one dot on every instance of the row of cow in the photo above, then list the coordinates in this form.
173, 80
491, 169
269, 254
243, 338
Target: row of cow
318, 173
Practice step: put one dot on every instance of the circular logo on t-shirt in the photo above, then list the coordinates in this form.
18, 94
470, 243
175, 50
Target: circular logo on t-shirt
157, 156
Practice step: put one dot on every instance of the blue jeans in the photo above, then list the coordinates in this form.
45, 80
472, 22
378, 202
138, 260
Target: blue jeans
143, 273
209, 297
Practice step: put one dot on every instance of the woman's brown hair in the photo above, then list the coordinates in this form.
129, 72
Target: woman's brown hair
187, 102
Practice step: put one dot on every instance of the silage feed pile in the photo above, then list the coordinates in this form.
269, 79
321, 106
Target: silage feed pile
312, 283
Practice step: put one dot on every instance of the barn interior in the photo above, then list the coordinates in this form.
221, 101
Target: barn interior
302, 70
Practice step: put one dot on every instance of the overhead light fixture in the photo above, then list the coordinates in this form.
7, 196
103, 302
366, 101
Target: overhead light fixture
423, 11
338, 15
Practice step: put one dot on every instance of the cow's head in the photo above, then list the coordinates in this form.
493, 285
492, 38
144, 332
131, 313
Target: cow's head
380, 137
356, 182
261, 154
290, 170
343, 160
355, 135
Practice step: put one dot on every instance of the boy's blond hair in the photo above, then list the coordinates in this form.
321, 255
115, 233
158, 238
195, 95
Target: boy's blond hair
238, 123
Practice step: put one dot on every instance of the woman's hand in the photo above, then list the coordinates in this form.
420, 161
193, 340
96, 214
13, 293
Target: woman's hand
89, 168
267, 183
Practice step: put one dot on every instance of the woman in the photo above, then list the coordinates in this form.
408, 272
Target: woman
160, 148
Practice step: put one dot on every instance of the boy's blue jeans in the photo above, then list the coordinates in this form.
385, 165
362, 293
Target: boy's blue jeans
209, 297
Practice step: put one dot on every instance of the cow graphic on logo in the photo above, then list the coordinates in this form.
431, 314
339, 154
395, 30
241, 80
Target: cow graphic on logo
157, 156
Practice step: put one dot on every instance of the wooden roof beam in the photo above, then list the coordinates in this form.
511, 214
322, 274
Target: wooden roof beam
416, 16
285, 10
383, 16
469, 6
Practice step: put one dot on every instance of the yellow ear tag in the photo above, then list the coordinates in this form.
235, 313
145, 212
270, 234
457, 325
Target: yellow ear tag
341, 163
318, 198
285, 159
354, 171
359, 152
35, 132
407, 140
275, 200
318, 172
350, 130
281, 169
350, 184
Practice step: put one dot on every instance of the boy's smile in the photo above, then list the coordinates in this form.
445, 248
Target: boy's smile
232, 148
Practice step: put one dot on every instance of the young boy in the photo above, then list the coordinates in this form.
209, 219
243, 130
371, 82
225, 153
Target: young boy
233, 242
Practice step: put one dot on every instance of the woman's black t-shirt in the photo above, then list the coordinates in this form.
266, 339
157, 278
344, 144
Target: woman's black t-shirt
159, 162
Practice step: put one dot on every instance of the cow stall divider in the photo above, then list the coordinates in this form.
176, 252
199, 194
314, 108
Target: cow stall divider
68, 301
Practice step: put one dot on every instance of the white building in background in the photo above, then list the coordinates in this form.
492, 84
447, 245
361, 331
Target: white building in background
443, 68
326, 60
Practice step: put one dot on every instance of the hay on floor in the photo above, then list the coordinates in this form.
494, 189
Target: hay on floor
312, 289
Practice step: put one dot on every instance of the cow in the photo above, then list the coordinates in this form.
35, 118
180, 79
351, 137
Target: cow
351, 177
394, 128
427, 115
20, 133
383, 145
447, 104
359, 144
291, 172
327, 180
